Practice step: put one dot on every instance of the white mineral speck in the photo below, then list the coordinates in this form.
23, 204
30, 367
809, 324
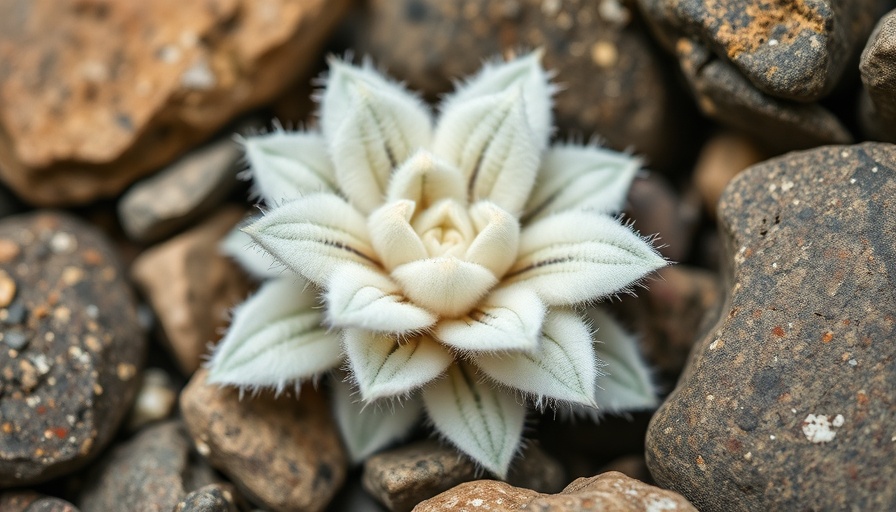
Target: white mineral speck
476, 502
818, 429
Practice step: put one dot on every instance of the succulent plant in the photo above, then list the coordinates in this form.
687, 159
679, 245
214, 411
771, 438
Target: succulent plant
448, 266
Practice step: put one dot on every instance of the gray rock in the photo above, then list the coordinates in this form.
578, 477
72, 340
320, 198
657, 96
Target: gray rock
211, 498
150, 472
30, 501
70, 373
176, 196
403, 477
878, 67
787, 401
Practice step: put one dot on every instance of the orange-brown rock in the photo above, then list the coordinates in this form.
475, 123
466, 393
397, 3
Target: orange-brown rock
96, 93
721, 159
607, 492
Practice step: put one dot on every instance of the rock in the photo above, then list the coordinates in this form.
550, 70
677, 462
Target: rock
405, 476
667, 317
30, 501
722, 157
878, 67
71, 347
178, 195
613, 83
211, 498
151, 471
97, 94
282, 452
791, 50
192, 286
155, 399
658, 210
787, 401
632, 466
607, 492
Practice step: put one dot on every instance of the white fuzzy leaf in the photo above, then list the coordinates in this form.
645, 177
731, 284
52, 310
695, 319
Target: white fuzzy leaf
425, 180
490, 141
372, 126
497, 240
386, 366
288, 165
481, 420
563, 367
581, 177
314, 235
392, 236
254, 259
363, 297
446, 286
626, 385
577, 256
367, 428
275, 338
525, 73
508, 319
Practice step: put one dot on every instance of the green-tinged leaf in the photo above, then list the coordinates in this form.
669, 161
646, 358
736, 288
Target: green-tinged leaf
368, 428
288, 165
581, 177
365, 298
276, 338
372, 126
563, 367
578, 256
508, 319
626, 385
255, 260
481, 420
386, 366
314, 235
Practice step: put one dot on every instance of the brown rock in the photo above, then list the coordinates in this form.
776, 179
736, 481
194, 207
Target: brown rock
721, 159
96, 94
878, 67
405, 476
178, 195
192, 286
613, 84
71, 347
607, 492
282, 452
658, 210
787, 401
152, 471
211, 498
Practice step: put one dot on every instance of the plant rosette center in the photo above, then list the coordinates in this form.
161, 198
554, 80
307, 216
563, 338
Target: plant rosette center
447, 265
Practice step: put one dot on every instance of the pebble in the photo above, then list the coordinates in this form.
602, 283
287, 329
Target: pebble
607, 492
145, 82
787, 399
71, 349
878, 67
155, 399
405, 476
283, 452
192, 287
30, 501
722, 158
211, 498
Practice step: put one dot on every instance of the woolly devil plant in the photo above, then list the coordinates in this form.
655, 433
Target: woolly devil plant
447, 265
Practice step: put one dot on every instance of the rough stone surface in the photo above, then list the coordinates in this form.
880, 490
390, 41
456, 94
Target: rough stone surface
150, 472
30, 501
283, 453
178, 195
788, 400
721, 158
211, 498
403, 477
71, 346
192, 286
795, 50
96, 94
658, 210
614, 84
607, 492
878, 67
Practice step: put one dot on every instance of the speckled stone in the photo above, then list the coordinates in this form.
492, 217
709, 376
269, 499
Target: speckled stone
30, 501
71, 346
607, 492
281, 452
211, 498
405, 476
787, 402
878, 67
613, 82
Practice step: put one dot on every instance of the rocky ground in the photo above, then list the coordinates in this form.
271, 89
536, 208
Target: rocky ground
765, 126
